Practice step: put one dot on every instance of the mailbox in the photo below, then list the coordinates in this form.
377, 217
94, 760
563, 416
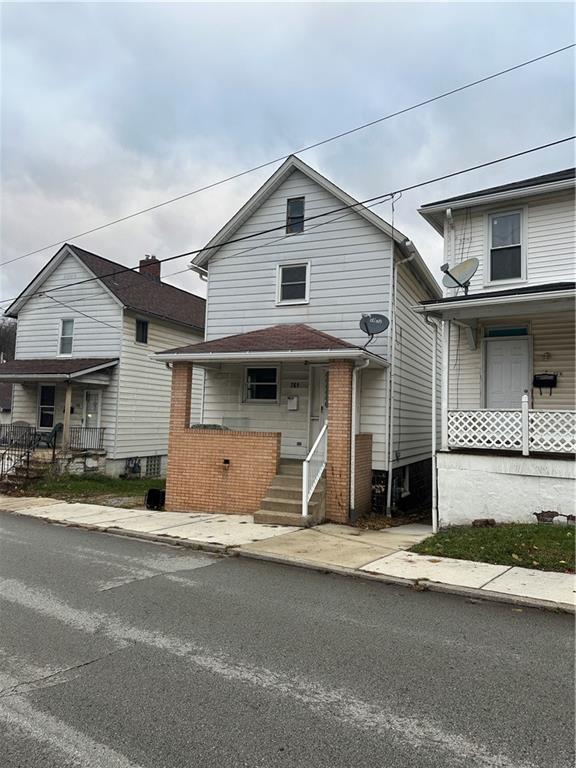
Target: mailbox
545, 381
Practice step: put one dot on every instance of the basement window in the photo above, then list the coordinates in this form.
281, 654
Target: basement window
294, 215
142, 331
262, 385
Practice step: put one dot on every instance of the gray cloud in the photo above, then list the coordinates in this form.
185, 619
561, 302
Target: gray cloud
107, 108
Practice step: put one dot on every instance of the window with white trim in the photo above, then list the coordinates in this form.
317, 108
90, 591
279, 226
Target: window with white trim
294, 215
66, 337
262, 385
293, 282
505, 244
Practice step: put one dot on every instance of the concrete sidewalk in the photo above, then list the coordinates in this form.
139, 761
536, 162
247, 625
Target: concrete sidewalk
379, 555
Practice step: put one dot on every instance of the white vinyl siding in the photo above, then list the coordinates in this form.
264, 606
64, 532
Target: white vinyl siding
349, 273
413, 374
144, 393
551, 333
40, 319
548, 229
223, 405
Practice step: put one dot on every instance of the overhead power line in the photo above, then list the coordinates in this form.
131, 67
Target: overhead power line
351, 206
316, 144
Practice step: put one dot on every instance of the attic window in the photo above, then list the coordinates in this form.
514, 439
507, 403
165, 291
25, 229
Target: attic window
142, 331
295, 215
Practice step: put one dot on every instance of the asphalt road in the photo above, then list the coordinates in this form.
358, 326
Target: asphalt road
119, 653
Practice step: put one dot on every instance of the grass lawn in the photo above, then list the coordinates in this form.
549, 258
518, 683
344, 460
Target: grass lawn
71, 487
543, 547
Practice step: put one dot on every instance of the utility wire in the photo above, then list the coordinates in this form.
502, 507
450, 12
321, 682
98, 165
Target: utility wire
351, 206
307, 148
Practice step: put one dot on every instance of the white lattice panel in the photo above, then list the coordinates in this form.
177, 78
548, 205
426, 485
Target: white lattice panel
496, 430
552, 431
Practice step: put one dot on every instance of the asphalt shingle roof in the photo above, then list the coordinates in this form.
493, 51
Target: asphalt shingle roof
51, 366
296, 337
142, 293
534, 181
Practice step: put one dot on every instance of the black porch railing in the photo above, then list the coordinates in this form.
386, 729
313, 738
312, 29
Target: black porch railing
87, 438
16, 445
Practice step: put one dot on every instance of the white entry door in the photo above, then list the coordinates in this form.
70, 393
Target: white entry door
507, 372
92, 407
318, 401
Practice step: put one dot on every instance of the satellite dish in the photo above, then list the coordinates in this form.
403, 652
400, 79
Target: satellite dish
373, 324
460, 274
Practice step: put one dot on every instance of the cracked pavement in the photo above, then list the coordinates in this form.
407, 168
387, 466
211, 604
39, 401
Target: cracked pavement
120, 653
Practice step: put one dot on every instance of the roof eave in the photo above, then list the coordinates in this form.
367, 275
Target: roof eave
441, 307
225, 357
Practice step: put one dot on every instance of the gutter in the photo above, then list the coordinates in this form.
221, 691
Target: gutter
487, 301
315, 354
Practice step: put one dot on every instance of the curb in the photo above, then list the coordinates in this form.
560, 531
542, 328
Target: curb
419, 585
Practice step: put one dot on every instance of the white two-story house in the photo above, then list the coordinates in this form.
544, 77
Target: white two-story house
508, 398
86, 331
288, 406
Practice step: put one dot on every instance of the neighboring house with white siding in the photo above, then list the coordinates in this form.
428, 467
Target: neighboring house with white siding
87, 329
284, 355
509, 390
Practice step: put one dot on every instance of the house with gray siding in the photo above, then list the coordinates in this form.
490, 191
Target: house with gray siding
86, 331
285, 362
509, 390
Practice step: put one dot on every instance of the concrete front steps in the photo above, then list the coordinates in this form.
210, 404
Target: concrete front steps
282, 504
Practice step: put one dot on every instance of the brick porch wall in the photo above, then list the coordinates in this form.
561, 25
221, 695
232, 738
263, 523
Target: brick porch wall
363, 475
339, 426
197, 480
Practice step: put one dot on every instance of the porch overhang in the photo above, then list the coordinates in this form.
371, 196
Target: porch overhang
50, 370
554, 297
209, 359
288, 342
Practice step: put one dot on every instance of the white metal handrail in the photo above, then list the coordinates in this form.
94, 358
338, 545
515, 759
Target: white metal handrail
313, 467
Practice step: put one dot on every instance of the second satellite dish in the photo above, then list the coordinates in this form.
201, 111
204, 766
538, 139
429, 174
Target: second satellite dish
373, 324
460, 274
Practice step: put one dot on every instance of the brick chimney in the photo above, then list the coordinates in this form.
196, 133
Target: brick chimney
150, 266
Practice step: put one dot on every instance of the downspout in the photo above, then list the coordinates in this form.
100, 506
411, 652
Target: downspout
391, 378
434, 325
355, 370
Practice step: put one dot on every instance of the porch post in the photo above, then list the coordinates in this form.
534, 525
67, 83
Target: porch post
446, 330
339, 442
67, 411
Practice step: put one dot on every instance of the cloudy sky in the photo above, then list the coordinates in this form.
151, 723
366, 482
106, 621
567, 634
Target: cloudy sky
110, 107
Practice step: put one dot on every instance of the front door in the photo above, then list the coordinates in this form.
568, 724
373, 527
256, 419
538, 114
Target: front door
507, 372
92, 402
318, 401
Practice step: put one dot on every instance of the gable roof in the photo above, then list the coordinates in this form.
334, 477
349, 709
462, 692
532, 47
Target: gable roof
548, 182
274, 342
135, 291
288, 167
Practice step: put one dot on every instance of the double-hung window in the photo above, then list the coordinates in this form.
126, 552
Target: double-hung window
262, 385
66, 337
142, 331
294, 215
293, 283
505, 244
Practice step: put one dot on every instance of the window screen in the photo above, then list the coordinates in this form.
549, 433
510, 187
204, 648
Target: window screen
293, 282
506, 246
295, 215
262, 384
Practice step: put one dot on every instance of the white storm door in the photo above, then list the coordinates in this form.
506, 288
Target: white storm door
318, 401
507, 372
92, 408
